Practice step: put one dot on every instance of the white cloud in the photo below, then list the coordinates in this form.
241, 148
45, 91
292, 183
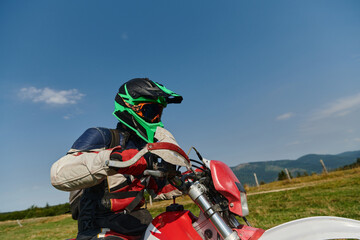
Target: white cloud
285, 116
51, 96
340, 107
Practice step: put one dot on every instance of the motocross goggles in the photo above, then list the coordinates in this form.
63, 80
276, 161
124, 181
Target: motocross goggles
149, 111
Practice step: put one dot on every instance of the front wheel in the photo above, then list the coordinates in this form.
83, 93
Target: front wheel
315, 228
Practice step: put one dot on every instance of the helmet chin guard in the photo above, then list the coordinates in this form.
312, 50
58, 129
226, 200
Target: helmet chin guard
142, 128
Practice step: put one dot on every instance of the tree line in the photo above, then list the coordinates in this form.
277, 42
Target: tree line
34, 211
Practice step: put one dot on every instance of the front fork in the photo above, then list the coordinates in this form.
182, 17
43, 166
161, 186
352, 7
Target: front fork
197, 194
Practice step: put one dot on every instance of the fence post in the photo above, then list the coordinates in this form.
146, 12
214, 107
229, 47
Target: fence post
18, 222
287, 174
256, 180
323, 165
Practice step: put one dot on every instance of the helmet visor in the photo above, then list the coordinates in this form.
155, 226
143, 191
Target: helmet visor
150, 112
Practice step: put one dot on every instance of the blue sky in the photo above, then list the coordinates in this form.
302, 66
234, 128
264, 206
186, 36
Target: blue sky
261, 80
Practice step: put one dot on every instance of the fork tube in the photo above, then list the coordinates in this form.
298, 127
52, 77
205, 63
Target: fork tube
196, 192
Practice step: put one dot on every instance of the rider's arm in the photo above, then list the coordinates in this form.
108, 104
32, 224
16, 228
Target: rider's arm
80, 170
86, 167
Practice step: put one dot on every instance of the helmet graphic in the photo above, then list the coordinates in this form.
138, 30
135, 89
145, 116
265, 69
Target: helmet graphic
139, 104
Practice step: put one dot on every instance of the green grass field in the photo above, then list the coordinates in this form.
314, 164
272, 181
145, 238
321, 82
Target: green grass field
335, 194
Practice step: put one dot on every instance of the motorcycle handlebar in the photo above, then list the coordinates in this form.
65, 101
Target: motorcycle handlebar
155, 173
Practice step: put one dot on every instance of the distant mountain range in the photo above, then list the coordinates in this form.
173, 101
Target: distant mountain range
267, 171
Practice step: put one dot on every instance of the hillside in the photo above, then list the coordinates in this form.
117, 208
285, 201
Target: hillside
267, 171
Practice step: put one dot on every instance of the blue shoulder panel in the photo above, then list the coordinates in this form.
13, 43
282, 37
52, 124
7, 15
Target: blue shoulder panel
93, 138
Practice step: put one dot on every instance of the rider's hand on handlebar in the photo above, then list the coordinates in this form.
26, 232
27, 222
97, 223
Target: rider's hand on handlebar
124, 155
167, 168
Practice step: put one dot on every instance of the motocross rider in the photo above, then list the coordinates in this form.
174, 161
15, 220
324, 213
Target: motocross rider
112, 198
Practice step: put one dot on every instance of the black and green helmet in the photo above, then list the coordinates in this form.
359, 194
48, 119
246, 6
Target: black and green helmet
138, 91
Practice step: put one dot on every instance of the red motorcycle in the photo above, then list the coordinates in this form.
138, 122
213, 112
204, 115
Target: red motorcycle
222, 201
